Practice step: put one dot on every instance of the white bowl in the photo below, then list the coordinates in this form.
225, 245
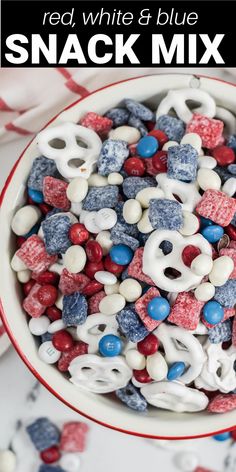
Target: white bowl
102, 409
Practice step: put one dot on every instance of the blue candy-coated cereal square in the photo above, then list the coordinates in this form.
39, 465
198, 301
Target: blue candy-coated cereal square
221, 333
132, 185
226, 294
41, 167
56, 231
43, 433
232, 141
50, 468
112, 156
101, 197
75, 309
165, 214
182, 163
139, 110
54, 211
118, 237
131, 396
131, 325
137, 123
223, 173
173, 127
119, 116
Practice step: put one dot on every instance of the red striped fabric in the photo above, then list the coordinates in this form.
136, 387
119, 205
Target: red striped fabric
17, 129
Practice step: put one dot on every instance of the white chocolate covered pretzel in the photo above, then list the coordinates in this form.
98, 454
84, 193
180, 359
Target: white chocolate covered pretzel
218, 370
176, 99
90, 333
68, 142
188, 193
155, 263
174, 396
99, 375
181, 345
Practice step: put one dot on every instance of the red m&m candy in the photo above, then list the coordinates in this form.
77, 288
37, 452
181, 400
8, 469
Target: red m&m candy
94, 251
142, 376
62, 340
91, 288
50, 455
161, 137
189, 254
53, 313
112, 267
92, 267
78, 234
148, 345
27, 286
159, 161
134, 166
47, 277
47, 295
224, 155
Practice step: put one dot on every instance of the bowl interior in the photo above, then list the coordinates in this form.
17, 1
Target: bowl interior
101, 408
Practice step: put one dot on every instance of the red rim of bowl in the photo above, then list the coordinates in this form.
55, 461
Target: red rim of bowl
7, 327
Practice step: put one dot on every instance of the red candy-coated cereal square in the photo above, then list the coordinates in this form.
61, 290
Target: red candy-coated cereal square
141, 308
94, 302
186, 311
54, 192
34, 255
73, 437
70, 283
222, 403
100, 124
78, 349
135, 267
230, 252
217, 206
209, 129
31, 304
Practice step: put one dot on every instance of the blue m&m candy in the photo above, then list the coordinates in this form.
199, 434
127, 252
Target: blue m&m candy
158, 308
110, 345
222, 436
212, 233
35, 195
121, 254
176, 370
147, 146
213, 312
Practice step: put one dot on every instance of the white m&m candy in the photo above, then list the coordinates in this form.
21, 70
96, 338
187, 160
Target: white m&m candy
222, 268
106, 218
39, 326
202, 264
48, 353
104, 277
112, 304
